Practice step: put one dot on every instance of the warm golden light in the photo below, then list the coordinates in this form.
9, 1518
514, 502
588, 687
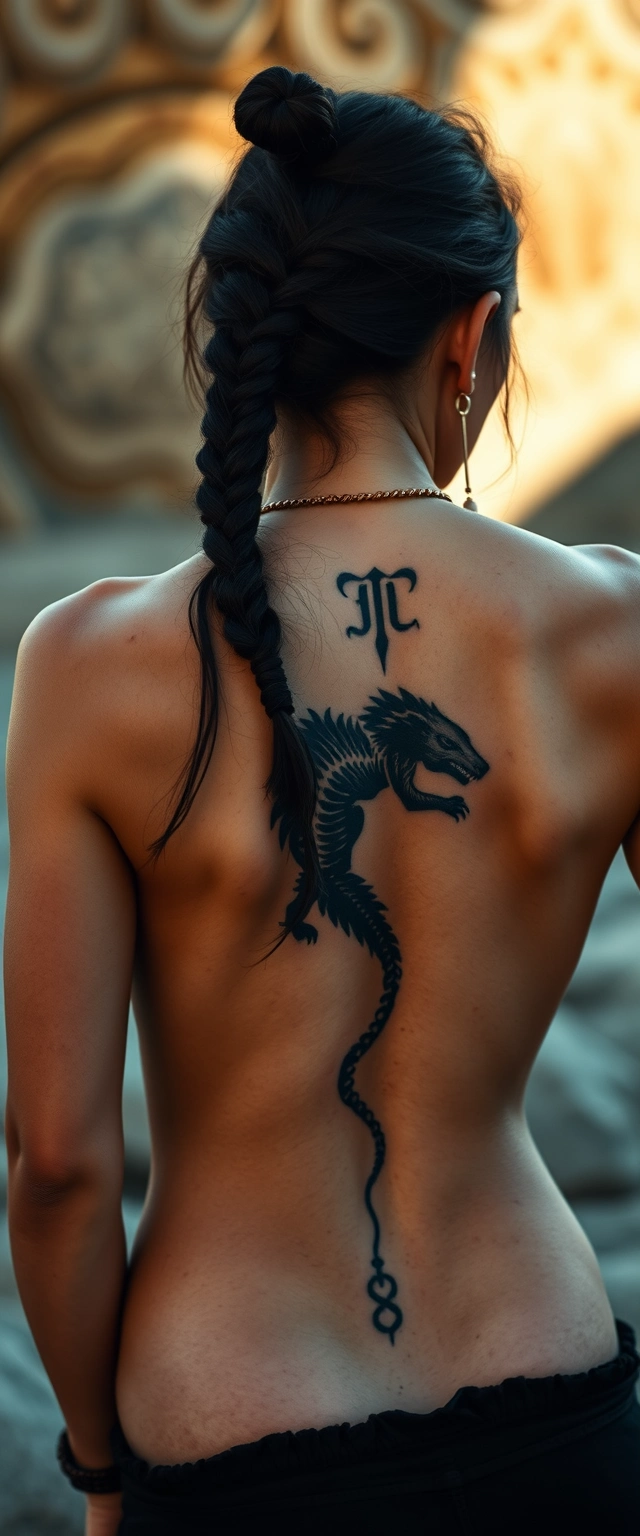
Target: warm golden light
560, 84
116, 133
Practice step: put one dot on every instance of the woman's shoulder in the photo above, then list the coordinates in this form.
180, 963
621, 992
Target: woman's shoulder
580, 609
102, 659
93, 624
571, 610
557, 580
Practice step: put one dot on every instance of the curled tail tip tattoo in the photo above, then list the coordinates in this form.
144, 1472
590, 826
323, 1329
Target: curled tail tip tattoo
356, 758
384, 1303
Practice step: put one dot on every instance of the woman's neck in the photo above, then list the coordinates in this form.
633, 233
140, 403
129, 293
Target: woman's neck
380, 454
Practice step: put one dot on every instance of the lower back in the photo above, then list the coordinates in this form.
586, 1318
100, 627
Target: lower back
247, 1311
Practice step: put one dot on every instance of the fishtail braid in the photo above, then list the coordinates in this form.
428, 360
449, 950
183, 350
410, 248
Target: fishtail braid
354, 227
252, 334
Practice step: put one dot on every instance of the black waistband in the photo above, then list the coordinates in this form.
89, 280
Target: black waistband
520, 1411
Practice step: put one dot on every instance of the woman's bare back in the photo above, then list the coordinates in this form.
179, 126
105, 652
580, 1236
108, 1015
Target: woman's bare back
472, 795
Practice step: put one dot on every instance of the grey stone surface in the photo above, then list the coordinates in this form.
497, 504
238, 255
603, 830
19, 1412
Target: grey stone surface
34, 1499
583, 1102
601, 505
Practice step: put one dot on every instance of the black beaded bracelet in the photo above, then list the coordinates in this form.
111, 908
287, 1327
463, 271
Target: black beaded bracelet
86, 1479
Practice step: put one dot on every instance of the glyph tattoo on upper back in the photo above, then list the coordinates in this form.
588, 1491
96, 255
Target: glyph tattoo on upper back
356, 758
383, 595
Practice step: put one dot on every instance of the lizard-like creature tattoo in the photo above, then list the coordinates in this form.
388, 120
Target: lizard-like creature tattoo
355, 759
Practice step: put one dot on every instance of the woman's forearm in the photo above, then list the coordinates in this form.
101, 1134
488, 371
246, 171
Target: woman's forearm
69, 1255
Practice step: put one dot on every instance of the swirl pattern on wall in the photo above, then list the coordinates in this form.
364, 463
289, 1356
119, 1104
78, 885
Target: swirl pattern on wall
375, 44
207, 27
508, 7
65, 38
91, 306
558, 79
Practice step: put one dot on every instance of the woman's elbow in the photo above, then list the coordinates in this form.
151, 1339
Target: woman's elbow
47, 1168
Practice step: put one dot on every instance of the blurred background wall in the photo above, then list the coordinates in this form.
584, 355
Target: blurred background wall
115, 136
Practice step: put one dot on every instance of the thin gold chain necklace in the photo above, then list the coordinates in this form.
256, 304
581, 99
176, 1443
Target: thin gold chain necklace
336, 501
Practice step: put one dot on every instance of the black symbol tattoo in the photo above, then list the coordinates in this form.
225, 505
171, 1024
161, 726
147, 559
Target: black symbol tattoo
355, 759
374, 580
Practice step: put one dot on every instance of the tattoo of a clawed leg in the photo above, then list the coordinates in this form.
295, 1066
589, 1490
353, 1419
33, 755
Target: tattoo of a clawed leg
357, 758
378, 583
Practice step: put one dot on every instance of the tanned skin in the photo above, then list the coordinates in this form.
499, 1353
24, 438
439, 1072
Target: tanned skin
246, 1308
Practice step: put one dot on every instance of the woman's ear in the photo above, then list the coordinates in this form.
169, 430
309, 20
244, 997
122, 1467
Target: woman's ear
466, 336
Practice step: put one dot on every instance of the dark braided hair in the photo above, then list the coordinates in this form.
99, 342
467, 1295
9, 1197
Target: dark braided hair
348, 236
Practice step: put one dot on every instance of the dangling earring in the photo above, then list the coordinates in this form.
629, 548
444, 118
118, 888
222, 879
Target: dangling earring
463, 406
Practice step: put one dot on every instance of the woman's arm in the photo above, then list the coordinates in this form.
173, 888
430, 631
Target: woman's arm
632, 849
69, 954
631, 843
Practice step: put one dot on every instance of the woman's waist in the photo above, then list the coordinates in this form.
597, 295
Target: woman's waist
448, 1201
500, 1423
250, 1330
283, 1266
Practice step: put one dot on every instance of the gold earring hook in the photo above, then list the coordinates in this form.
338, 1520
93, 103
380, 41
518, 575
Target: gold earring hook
463, 406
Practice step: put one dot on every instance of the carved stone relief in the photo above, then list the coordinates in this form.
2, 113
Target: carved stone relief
561, 83
115, 132
89, 337
65, 39
376, 43
212, 30
90, 348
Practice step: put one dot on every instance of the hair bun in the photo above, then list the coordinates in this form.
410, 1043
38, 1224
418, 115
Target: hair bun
290, 115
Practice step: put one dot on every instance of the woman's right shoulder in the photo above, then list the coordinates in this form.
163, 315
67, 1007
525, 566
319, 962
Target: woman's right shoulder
594, 612
605, 579
573, 581
573, 608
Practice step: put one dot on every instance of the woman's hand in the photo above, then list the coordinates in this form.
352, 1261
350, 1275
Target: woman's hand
104, 1513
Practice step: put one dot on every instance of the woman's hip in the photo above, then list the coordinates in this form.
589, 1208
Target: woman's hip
553, 1453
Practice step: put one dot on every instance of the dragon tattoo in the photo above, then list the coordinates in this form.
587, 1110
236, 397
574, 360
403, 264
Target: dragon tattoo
355, 759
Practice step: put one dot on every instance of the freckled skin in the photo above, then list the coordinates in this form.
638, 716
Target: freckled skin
246, 1308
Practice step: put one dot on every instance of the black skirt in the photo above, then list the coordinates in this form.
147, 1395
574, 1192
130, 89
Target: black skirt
532, 1455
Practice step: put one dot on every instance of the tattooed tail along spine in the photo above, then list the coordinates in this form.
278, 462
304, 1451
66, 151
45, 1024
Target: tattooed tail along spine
369, 925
